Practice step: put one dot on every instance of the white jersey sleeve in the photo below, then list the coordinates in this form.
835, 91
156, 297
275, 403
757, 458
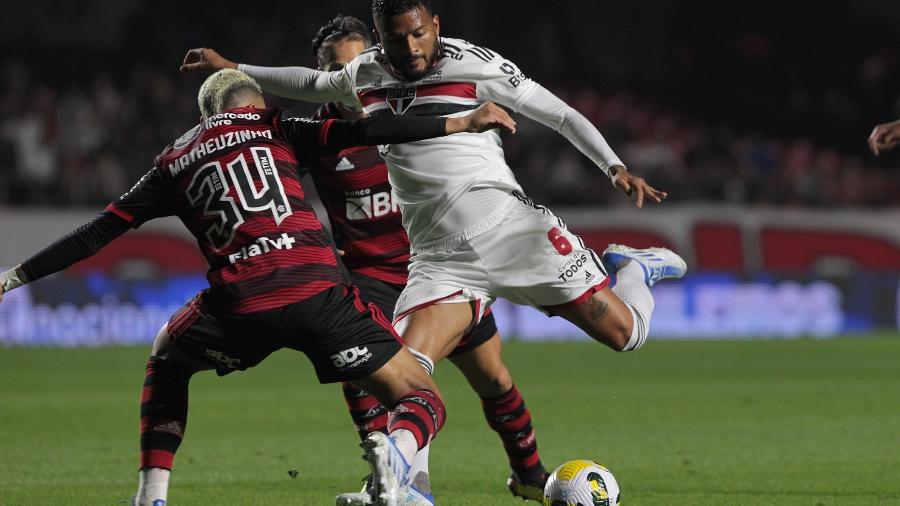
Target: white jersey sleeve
301, 83
502, 82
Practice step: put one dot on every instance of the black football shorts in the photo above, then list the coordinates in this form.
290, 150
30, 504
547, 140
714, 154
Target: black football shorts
344, 338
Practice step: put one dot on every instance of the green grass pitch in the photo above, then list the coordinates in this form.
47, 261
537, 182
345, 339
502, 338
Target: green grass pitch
679, 423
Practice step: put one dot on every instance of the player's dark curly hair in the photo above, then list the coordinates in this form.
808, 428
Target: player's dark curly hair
384, 9
339, 28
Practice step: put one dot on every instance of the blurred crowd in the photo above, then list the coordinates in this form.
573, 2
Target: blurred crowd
86, 143
696, 161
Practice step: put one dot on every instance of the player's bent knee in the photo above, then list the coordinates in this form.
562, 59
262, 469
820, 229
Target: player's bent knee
164, 349
162, 342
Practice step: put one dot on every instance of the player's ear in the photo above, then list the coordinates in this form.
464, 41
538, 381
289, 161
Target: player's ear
437, 25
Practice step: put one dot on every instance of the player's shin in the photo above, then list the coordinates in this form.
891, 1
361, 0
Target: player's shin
419, 478
511, 420
368, 414
632, 290
415, 420
164, 407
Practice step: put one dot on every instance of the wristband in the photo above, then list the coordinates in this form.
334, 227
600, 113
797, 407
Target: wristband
11, 279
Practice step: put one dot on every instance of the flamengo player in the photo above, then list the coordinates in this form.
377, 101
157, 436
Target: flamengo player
353, 185
274, 278
474, 234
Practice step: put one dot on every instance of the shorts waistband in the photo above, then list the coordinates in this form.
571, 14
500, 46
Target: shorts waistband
475, 230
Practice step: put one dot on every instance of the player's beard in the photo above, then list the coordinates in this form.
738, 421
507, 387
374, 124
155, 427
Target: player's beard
414, 75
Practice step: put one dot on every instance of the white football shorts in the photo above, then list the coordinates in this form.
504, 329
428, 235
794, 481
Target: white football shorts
529, 258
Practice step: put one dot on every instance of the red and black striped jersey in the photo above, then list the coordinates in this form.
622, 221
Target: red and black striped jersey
353, 186
233, 181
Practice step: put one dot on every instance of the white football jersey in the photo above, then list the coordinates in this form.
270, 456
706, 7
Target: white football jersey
448, 187
455, 187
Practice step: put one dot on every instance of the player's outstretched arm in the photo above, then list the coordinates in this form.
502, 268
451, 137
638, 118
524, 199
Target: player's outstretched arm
884, 137
146, 200
487, 116
503, 83
391, 129
78, 245
299, 83
548, 109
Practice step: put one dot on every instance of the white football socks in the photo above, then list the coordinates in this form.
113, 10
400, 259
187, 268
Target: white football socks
420, 467
153, 486
406, 443
632, 290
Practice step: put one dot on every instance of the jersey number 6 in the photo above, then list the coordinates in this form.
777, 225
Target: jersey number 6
559, 241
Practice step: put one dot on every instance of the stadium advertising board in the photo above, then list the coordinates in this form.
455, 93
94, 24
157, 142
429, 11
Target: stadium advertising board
769, 274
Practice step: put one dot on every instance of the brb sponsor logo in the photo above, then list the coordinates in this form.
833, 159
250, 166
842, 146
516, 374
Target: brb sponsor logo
351, 357
573, 266
366, 205
223, 359
262, 246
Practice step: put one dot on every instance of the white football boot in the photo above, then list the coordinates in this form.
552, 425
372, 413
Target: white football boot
657, 263
361, 498
390, 471
418, 493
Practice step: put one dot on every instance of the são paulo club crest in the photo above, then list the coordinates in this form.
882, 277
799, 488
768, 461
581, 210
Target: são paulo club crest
401, 98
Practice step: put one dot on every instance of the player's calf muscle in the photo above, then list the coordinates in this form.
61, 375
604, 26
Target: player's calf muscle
484, 369
603, 317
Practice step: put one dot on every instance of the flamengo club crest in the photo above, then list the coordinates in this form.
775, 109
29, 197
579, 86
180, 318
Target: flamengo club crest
401, 98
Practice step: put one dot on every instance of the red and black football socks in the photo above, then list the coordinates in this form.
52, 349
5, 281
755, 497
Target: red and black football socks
367, 413
422, 413
509, 417
164, 407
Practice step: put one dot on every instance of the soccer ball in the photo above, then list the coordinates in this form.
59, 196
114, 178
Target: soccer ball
581, 483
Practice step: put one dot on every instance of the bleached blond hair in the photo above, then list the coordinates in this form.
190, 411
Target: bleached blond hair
221, 88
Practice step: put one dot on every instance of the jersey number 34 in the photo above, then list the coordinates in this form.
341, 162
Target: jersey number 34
211, 186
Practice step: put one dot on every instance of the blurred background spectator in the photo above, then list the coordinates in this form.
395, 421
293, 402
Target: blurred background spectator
762, 103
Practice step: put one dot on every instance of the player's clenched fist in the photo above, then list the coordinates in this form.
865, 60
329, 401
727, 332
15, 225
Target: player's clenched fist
488, 116
884, 137
204, 58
